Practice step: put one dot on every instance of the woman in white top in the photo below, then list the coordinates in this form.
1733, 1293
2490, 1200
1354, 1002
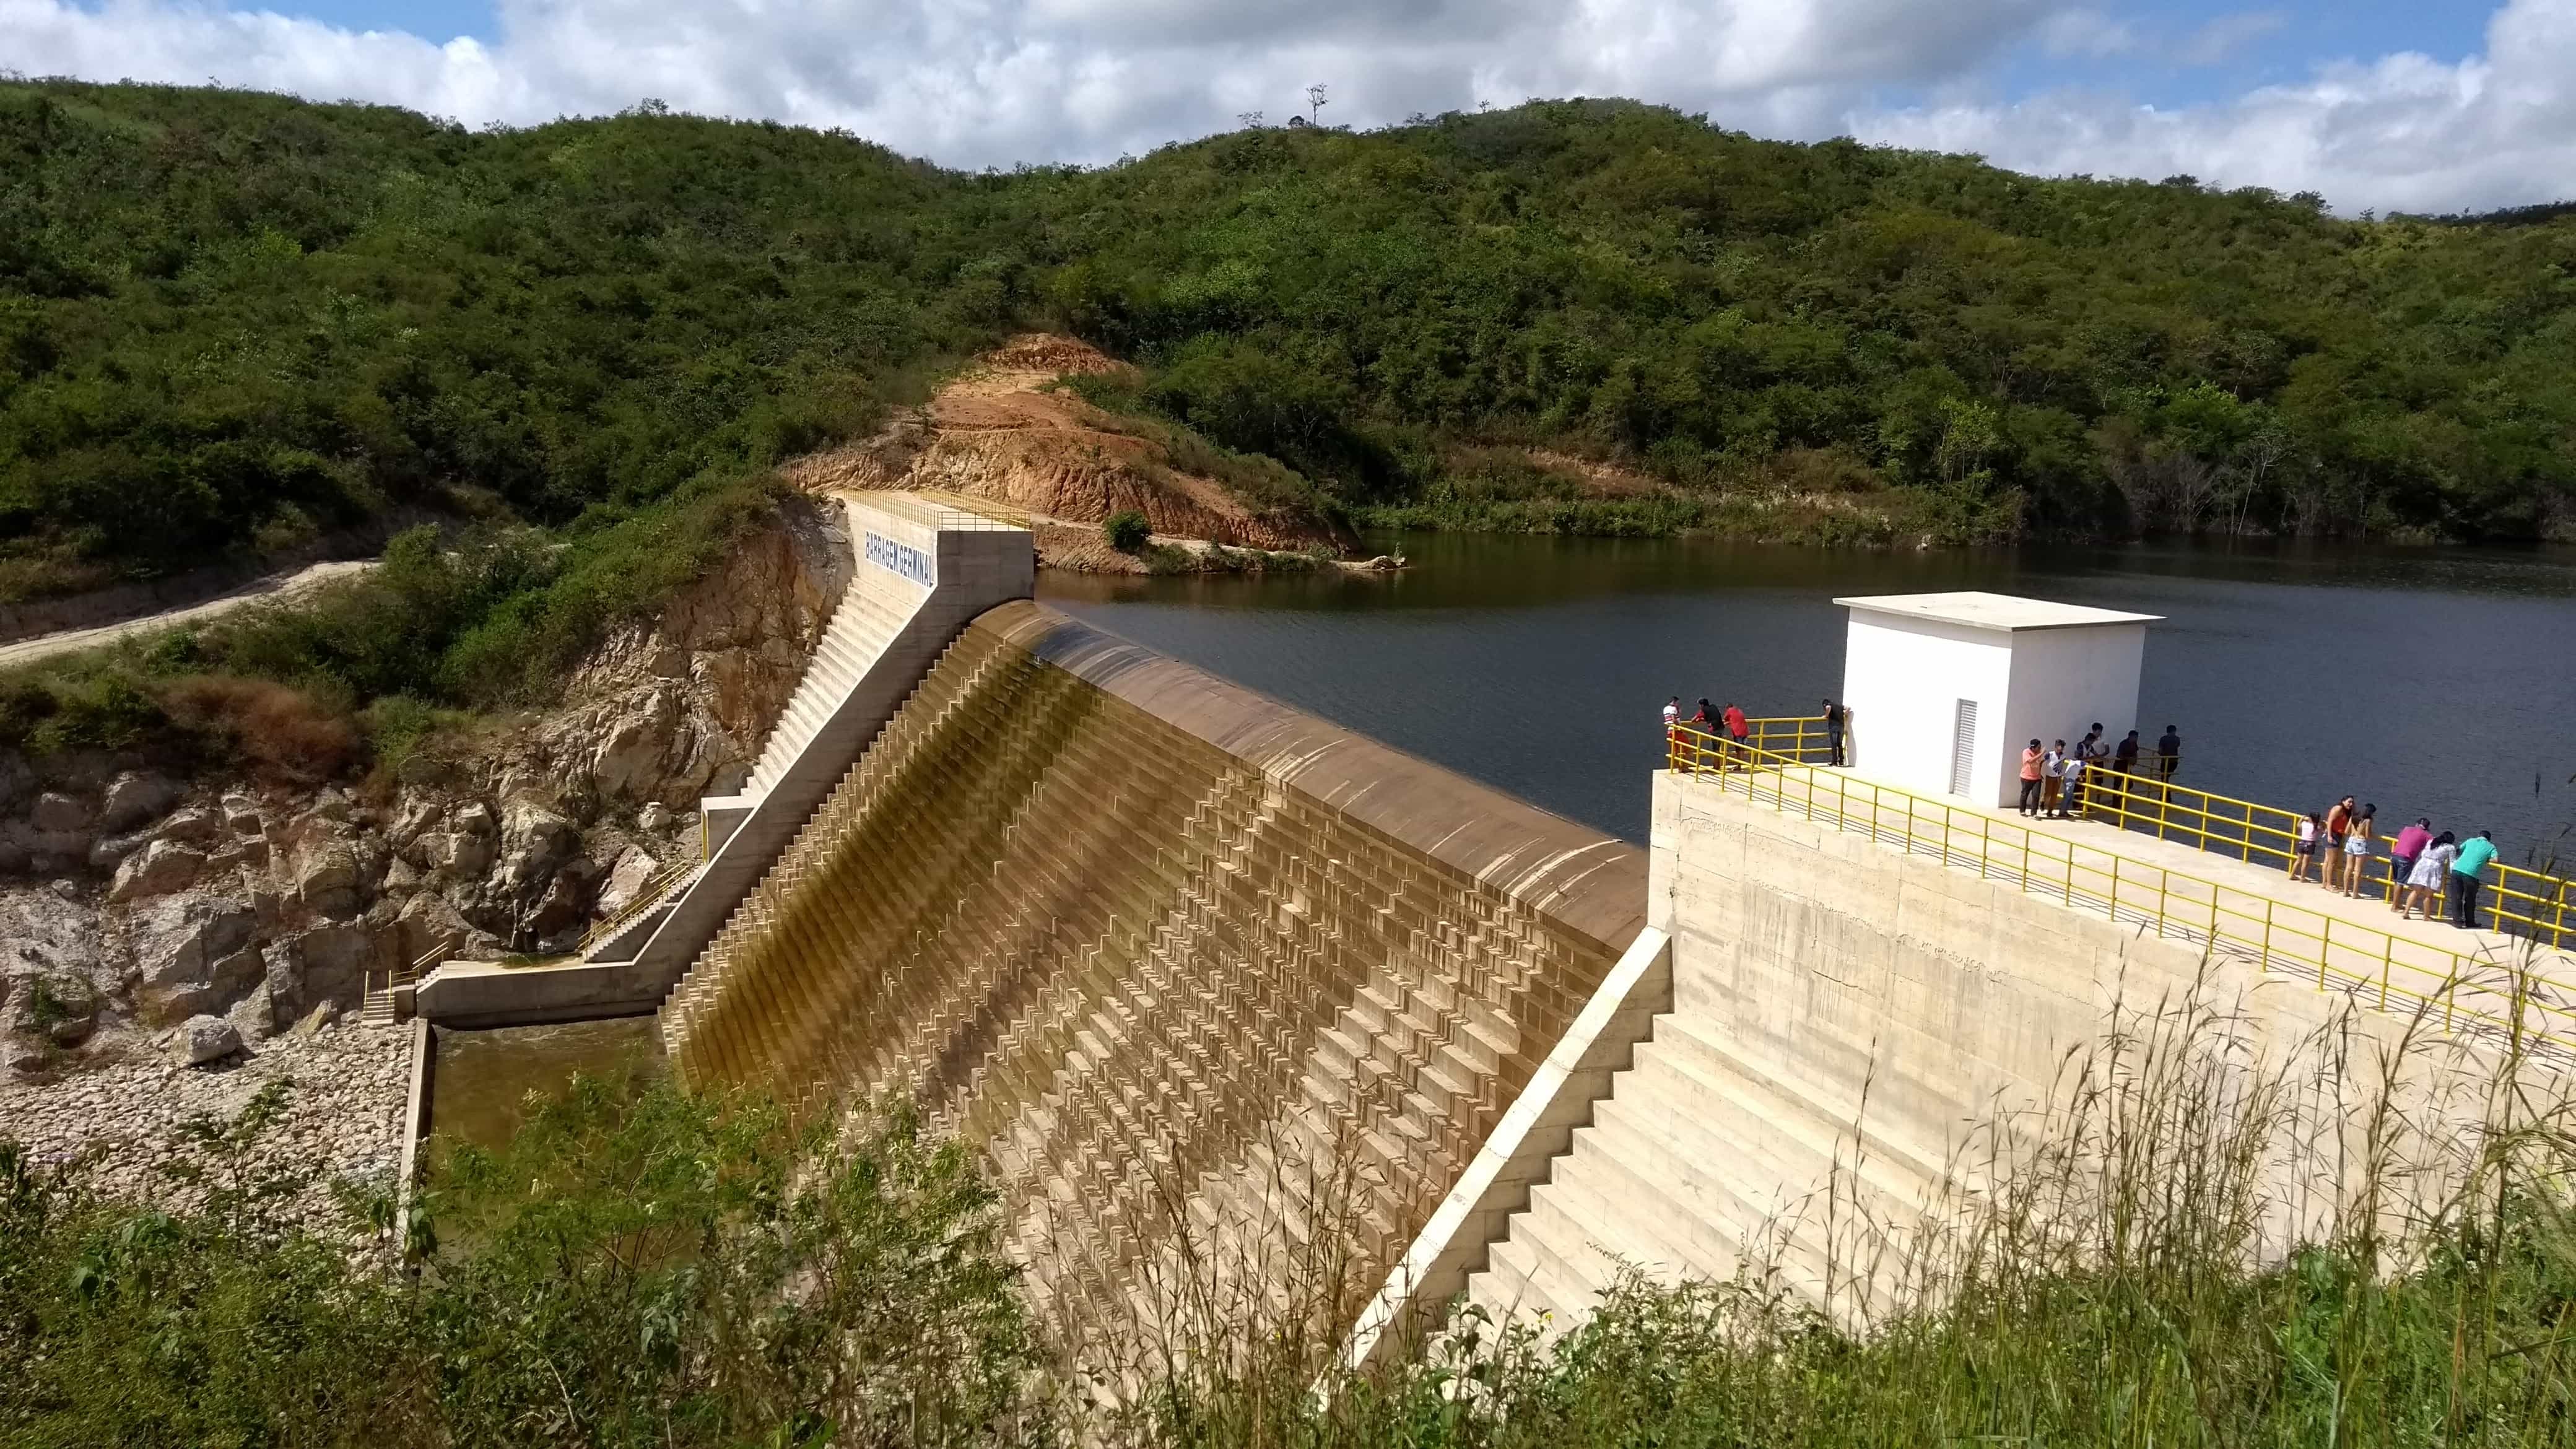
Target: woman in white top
2424, 883
2303, 847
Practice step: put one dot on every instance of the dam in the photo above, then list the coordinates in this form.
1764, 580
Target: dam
1215, 986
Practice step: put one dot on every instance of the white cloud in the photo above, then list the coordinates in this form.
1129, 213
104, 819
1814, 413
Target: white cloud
2402, 132
991, 82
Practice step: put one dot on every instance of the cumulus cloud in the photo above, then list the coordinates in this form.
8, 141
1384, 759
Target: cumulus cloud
2401, 132
992, 82
989, 82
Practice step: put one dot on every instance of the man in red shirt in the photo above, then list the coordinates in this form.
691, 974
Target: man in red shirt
1737, 730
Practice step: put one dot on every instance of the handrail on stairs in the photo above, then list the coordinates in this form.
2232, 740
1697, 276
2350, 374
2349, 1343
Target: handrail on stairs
655, 889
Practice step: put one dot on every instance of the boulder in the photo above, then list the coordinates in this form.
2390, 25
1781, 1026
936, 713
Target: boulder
462, 854
625, 879
327, 963
429, 924
328, 880
655, 818
638, 741
417, 817
476, 819
59, 814
134, 797
208, 1039
255, 1015
194, 825
535, 841
157, 870
111, 852
559, 912
193, 953
241, 815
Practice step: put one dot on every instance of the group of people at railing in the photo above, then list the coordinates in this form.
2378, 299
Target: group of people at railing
1741, 739
2426, 869
2130, 783
2053, 780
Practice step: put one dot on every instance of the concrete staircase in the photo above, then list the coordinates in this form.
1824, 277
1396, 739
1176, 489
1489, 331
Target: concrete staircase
1694, 1166
861, 626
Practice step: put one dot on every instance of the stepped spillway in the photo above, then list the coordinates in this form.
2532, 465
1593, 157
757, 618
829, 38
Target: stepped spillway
1207, 979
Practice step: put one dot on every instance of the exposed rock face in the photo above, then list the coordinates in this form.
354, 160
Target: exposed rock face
134, 797
131, 902
162, 867
1003, 431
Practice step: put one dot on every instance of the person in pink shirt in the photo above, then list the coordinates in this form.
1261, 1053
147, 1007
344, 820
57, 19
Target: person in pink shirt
2403, 852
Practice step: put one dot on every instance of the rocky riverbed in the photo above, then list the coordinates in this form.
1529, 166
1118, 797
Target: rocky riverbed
342, 1120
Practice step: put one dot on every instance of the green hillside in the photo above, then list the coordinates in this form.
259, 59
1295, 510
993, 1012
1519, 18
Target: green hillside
229, 321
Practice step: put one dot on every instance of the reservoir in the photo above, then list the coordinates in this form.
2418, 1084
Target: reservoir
2437, 682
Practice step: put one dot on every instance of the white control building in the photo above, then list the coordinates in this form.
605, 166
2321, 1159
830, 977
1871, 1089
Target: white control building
1946, 689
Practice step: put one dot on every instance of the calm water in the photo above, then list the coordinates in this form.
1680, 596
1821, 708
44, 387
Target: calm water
479, 1092
2429, 682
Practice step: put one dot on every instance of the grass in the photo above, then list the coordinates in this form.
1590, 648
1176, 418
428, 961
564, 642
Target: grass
2198, 1244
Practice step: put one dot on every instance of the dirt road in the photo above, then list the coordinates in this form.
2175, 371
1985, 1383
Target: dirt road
275, 588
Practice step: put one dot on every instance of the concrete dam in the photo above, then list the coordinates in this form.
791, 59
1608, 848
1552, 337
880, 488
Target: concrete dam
1211, 983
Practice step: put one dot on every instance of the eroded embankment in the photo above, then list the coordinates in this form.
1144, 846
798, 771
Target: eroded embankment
1207, 979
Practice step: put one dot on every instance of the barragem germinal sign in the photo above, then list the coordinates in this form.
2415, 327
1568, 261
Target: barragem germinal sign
912, 563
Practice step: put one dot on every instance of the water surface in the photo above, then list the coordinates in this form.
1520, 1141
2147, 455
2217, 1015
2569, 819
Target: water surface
2435, 682
486, 1082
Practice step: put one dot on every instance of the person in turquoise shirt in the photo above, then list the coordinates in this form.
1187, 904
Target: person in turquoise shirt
2475, 854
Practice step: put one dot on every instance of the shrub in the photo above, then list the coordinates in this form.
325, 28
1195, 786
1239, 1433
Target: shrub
273, 727
1126, 530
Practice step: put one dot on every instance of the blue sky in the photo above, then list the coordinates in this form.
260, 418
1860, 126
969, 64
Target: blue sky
2200, 51
2374, 103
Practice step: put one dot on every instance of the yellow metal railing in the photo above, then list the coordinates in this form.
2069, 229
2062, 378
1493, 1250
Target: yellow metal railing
2395, 971
1794, 737
646, 897
2518, 901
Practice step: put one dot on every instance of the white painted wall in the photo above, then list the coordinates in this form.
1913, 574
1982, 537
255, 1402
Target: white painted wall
1903, 680
2065, 679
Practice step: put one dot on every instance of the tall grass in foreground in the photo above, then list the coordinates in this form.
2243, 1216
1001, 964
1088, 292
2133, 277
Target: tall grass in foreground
2358, 1238
2197, 1246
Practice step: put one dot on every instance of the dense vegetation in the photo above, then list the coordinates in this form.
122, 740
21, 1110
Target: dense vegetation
231, 320
651, 1268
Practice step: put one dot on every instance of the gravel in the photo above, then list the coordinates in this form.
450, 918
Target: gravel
343, 1117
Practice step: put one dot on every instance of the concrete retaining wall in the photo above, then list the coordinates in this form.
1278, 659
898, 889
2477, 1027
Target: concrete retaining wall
1848, 1019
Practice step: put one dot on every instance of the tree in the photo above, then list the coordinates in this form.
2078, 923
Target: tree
1315, 102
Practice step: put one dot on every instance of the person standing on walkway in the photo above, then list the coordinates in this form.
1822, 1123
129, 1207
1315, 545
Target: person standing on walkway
2052, 782
1737, 729
2338, 824
2356, 850
2168, 754
2403, 852
2303, 845
2476, 854
2031, 765
1833, 733
1707, 714
2424, 882
2076, 768
2125, 758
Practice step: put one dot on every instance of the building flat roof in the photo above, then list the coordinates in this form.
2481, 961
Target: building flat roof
1976, 609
